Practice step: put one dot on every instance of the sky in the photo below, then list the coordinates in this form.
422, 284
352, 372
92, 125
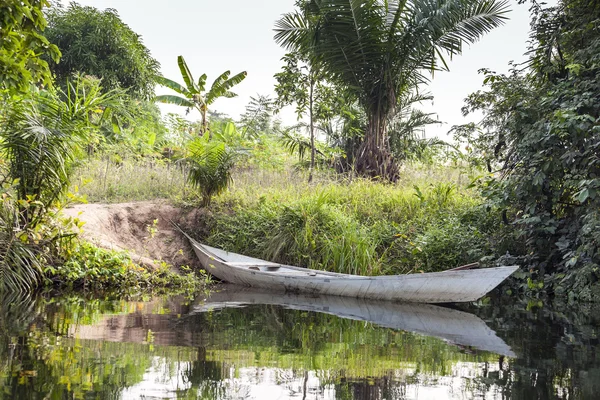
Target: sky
237, 35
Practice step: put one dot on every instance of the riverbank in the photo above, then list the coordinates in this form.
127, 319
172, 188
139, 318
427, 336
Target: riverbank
143, 229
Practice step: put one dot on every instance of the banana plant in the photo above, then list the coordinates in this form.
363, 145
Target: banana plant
194, 94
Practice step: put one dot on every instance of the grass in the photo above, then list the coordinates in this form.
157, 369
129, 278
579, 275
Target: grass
115, 180
429, 221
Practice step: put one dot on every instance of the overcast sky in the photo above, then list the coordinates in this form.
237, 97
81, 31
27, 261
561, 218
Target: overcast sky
237, 35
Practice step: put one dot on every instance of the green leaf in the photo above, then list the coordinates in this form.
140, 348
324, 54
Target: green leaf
170, 99
187, 75
583, 195
172, 85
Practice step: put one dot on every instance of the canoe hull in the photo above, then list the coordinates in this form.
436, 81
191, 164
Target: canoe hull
437, 287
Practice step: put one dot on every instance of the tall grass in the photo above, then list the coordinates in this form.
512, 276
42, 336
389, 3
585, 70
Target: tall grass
429, 221
114, 179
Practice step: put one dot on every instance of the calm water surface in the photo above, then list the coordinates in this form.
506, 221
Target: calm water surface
238, 344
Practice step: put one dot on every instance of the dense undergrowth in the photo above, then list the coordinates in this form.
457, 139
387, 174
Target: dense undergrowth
431, 220
91, 268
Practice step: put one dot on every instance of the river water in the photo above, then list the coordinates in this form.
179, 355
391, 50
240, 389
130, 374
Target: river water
244, 344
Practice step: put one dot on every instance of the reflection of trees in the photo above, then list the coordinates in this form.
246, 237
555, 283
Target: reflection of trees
370, 389
557, 358
358, 360
205, 376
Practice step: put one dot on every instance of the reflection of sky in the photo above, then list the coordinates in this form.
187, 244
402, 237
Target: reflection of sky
164, 380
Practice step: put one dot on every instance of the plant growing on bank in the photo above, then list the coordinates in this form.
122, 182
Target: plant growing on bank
380, 50
92, 268
359, 227
42, 134
194, 94
210, 164
541, 133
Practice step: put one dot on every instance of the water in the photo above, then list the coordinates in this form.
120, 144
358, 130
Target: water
252, 345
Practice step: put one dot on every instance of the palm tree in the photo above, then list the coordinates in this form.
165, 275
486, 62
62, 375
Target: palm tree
194, 94
382, 49
42, 134
210, 164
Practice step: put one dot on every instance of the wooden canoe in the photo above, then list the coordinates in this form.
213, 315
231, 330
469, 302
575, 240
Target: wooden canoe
453, 286
453, 326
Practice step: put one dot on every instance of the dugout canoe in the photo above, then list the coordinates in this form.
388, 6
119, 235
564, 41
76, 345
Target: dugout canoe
452, 286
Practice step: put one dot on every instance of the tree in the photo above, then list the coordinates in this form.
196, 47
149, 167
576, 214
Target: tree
42, 135
22, 25
257, 117
301, 82
98, 43
540, 133
195, 94
379, 50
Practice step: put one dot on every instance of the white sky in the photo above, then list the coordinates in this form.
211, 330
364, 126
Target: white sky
214, 36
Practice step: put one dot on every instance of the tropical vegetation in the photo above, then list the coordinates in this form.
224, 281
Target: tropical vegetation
354, 186
195, 95
539, 136
116, 55
379, 51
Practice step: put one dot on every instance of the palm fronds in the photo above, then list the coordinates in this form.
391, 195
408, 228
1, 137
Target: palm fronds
380, 50
210, 164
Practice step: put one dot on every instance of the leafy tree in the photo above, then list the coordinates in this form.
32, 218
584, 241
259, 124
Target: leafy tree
98, 43
42, 134
257, 117
301, 82
195, 94
380, 50
22, 25
541, 131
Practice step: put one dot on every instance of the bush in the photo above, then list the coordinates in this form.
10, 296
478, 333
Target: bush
360, 227
87, 266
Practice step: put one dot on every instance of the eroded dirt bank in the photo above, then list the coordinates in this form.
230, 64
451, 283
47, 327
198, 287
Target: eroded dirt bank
143, 229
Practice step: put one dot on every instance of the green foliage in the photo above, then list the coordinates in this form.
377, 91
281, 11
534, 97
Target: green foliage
20, 264
42, 135
195, 94
407, 128
22, 25
210, 164
382, 50
256, 119
98, 43
89, 267
541, 130
359, 227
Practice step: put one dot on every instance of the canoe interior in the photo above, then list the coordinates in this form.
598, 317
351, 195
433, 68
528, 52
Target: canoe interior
256, 264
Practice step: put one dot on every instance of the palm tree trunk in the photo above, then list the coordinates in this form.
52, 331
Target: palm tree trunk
312, 128
374, 159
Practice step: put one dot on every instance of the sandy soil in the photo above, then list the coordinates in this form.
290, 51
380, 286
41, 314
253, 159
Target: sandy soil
143, 229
